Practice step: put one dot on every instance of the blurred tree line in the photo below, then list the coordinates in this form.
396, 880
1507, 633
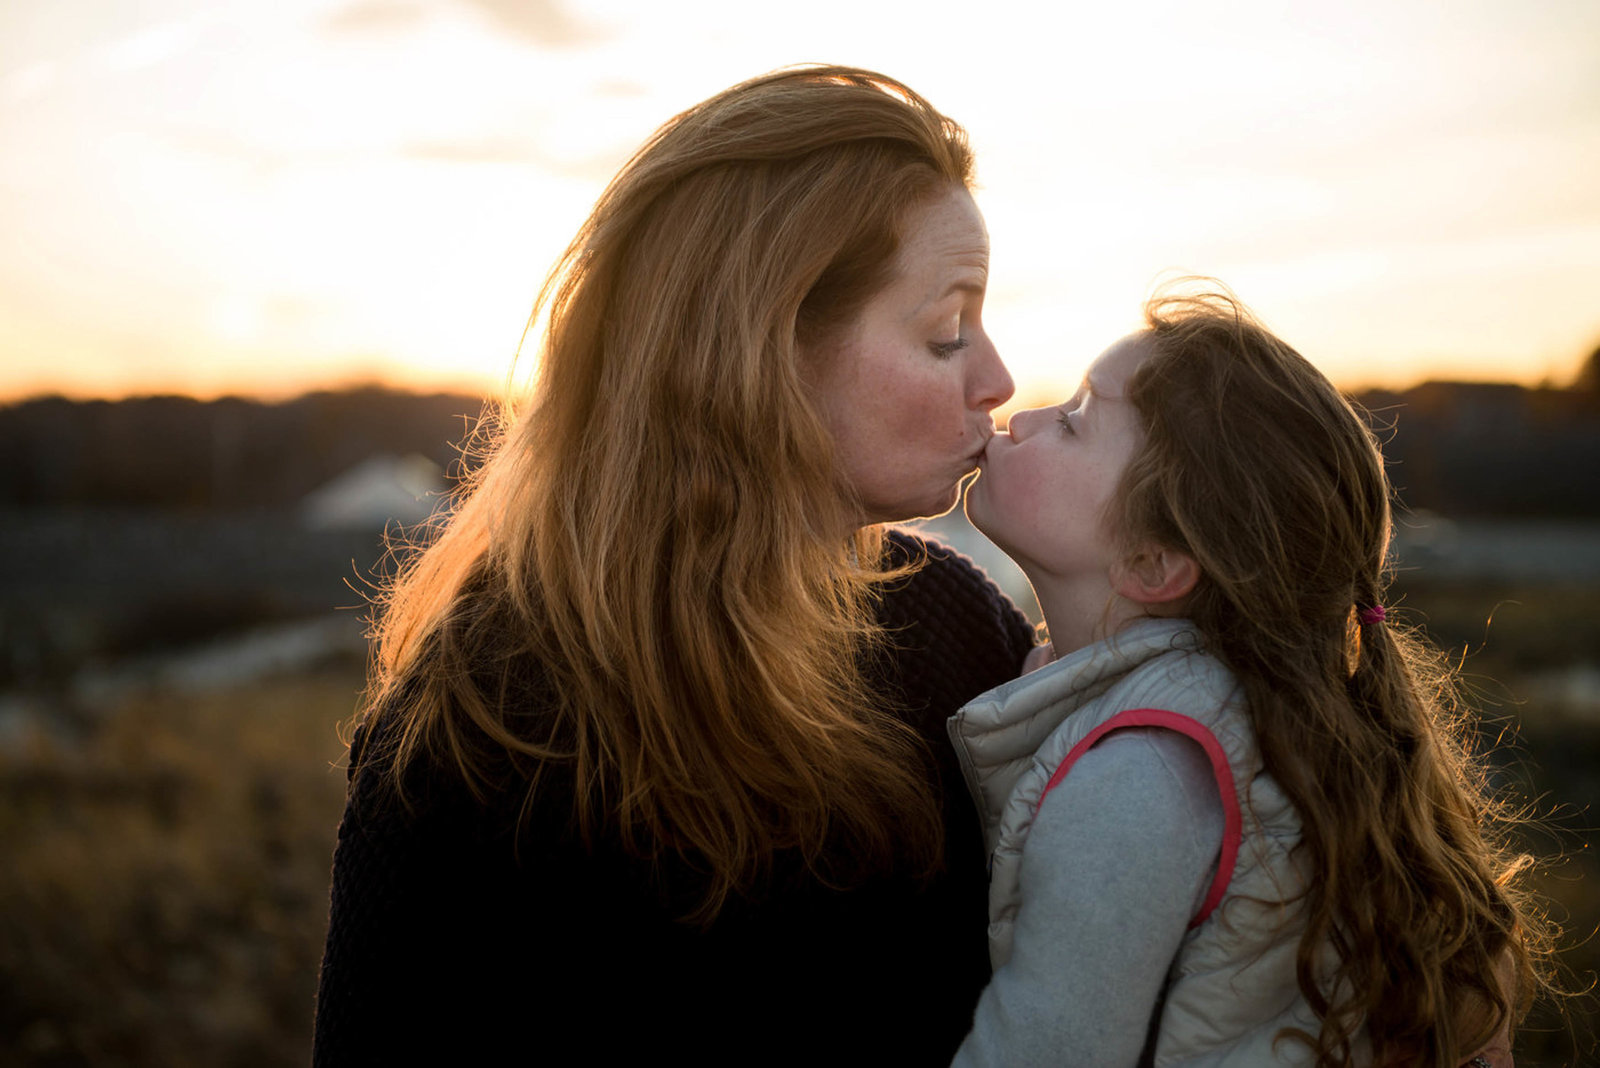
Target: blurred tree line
1461, 449
1476, 449
232, 453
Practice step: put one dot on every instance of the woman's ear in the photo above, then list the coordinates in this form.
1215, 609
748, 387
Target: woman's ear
1155, 575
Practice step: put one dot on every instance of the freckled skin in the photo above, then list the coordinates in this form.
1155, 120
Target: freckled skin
910, 419
1045, 487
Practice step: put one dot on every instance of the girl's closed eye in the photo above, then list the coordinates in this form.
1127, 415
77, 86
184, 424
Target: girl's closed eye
946, 349
1065, 419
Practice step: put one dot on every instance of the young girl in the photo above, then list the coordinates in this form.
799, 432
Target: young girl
1231, 823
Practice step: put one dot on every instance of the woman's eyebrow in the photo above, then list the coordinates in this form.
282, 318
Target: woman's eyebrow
971, 286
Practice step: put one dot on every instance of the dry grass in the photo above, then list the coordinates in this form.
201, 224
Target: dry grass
164, 895
1512, 640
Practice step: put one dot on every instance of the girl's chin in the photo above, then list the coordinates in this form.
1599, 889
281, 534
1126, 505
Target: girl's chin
980, 521
973, 501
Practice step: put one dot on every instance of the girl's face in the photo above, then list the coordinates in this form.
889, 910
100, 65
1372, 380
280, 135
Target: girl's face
907, 387
1046, 483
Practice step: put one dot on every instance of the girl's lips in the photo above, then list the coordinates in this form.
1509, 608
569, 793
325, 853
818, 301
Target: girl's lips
983, 454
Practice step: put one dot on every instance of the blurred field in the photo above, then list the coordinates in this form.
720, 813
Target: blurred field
1530, 657
164, 893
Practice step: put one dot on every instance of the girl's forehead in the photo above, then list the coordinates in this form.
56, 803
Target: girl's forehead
1108, 376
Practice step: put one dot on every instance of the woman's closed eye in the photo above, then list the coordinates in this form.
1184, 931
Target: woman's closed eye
946, 349
1064, 417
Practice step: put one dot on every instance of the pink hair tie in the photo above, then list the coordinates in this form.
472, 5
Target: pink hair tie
1371, 614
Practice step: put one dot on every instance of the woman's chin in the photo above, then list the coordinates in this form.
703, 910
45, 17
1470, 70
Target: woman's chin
909, 509
932, 510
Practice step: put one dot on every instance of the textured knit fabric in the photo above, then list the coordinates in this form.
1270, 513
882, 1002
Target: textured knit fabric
453, 938
1232, 986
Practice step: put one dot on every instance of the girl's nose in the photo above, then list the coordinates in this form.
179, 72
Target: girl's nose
1024, 423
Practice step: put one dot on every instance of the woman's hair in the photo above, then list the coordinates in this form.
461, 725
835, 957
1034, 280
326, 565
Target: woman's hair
662, 536
1256, 466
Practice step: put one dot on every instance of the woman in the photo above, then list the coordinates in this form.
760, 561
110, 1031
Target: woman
654, 759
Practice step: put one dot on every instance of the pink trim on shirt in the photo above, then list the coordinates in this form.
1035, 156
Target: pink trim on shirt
1232, 822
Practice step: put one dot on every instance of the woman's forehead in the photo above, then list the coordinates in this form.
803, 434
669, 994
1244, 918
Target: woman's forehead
945, 247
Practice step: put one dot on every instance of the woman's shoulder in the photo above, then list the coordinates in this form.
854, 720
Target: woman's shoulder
951, 633
406, 771
946, 580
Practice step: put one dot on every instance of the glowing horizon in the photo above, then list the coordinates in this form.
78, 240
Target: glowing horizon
238, 198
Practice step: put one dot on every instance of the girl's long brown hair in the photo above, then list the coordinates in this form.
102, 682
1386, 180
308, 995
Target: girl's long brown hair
1259, 469
661, 539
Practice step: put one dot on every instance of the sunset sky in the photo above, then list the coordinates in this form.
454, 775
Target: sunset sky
242, 195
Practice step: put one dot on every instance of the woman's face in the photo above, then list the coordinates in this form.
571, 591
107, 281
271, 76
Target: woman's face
907, 387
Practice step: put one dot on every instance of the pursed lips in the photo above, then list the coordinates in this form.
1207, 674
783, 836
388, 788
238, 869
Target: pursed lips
983, 453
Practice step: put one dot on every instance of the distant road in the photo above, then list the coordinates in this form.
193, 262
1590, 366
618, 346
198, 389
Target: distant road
1426, 547
1513, 550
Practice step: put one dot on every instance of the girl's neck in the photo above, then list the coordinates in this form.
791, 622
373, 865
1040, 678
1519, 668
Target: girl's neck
1081, 614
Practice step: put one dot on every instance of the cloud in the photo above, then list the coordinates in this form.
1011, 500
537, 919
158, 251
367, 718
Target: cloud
476, 150
148, 47
152, 45
29, 82
377, 16
254, 157
620, 88
545, 23
514, 150
542, 22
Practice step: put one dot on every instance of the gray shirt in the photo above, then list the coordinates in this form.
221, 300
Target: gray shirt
1118, 860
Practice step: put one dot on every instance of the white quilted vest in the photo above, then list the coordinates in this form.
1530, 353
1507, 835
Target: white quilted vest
1232, 987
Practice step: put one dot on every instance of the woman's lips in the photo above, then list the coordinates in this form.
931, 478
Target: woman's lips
983, 450
983, 453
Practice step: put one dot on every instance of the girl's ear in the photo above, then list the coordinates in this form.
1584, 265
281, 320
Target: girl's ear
1155, 575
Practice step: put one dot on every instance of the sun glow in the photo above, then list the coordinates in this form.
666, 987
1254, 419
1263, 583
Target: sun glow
236, 197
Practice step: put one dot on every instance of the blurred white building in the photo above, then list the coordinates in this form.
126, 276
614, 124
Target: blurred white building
380, 490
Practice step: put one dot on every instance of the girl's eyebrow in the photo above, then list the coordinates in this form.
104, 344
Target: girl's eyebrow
1088, 384
1087, 390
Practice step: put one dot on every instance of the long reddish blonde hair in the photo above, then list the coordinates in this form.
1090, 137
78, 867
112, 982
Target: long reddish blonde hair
1258, 468
659, 544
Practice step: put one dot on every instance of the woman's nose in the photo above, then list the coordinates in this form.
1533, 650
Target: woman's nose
991, 384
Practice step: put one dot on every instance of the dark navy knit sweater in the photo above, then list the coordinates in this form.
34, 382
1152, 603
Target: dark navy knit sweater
451, 942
